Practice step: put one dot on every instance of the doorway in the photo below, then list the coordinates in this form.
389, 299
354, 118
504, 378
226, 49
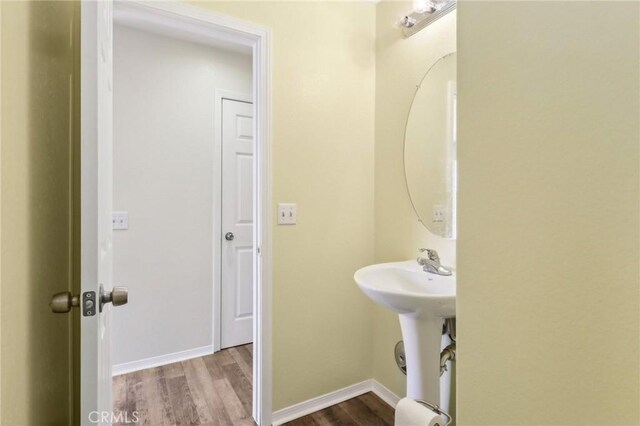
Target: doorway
177, 188
167, 169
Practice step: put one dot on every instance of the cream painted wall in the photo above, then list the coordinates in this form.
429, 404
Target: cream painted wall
37, 181
0, 211
1, 84
401, 63
323, 159
548, 248
163, 177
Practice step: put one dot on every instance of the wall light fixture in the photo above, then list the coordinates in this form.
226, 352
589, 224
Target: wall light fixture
424, 13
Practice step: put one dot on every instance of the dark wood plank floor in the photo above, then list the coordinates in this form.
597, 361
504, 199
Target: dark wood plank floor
364, 410
216, 390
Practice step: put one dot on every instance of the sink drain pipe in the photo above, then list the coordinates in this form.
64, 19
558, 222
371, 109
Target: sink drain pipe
447, 354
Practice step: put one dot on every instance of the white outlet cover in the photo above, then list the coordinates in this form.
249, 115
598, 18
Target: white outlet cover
120, 220
438, 213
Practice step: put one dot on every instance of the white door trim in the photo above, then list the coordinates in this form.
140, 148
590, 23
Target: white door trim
220, 94
166, 17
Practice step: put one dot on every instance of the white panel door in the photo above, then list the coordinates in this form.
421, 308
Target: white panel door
96, 197
237, 224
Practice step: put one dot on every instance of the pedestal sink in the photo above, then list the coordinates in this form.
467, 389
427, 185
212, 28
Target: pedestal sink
422, 300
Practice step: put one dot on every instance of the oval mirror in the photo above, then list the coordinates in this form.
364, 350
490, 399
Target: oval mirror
430, 149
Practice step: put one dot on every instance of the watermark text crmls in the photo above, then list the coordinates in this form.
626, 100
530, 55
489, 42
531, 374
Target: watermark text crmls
114, 417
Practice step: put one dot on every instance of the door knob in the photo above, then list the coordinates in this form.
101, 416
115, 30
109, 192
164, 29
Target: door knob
229, 236
118, 296
61, 303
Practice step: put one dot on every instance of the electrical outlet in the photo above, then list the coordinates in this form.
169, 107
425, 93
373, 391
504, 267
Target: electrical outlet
287, 214
438, 213
120, 220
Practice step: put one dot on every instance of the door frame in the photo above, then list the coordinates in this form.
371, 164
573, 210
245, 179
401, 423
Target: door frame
164, 17
220, 95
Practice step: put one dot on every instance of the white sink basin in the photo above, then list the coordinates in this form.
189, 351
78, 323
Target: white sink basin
406, 289
422, 301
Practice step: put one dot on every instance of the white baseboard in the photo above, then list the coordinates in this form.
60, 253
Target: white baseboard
157, 361
384, 393
332, 398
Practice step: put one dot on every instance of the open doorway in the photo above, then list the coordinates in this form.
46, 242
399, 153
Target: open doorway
188, 197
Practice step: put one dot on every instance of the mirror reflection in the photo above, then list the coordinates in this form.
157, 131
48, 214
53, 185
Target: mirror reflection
430, 149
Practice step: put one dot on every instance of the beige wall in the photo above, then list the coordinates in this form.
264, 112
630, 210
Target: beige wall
401, 63
548, 248
323, 127
37, 136
1, 212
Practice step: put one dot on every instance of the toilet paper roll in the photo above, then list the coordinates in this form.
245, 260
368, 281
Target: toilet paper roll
412, 413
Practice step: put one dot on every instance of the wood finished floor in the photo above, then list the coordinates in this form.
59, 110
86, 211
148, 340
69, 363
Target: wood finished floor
364, 410
209, 390
216, 390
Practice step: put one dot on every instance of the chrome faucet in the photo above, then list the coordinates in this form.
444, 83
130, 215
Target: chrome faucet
431, 263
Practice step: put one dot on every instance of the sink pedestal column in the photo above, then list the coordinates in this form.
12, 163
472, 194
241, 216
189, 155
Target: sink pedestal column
422, 340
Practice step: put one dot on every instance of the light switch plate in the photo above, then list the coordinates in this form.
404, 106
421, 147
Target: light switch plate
287, 213
120, 220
